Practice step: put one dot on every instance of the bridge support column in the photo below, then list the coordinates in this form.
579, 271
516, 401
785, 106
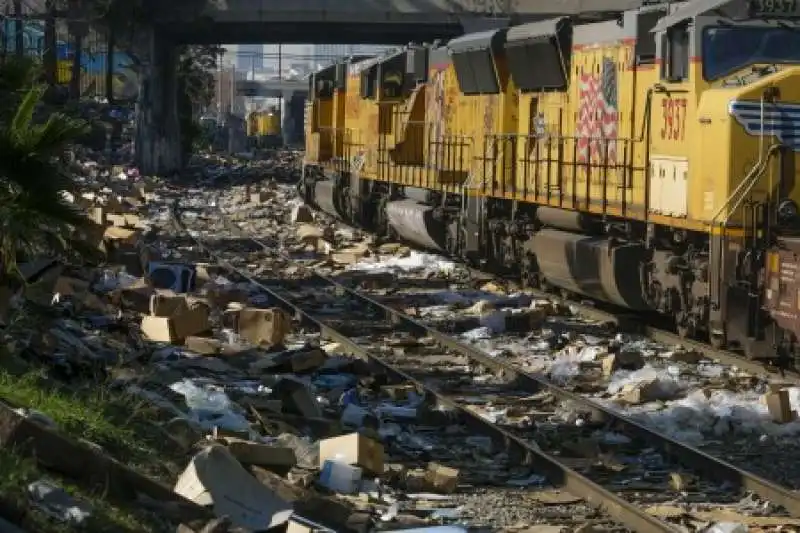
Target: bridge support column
473, 24
293, 111
158, 135
287, 120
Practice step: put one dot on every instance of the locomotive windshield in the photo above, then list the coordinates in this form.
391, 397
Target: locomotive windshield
727, 49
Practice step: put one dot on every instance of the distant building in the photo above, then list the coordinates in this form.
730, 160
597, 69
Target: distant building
326, 54
250, 57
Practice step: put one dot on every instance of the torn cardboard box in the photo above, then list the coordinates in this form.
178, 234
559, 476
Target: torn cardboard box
214, 477
178, 317
296, 398
263, 326
263, 455
135, 297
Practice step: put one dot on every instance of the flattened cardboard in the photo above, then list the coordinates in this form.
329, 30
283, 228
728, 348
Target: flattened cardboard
214, 477
298, 524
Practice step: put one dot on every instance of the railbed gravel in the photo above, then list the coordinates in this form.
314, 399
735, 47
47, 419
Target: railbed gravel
484, 502
762, 448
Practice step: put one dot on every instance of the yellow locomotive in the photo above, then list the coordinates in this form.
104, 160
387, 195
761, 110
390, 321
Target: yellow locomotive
264, 128
647, 159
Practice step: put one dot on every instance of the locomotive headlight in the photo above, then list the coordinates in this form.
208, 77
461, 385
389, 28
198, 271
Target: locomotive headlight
787, 210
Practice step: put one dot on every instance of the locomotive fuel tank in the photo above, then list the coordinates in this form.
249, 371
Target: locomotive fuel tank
416, 223
593, 266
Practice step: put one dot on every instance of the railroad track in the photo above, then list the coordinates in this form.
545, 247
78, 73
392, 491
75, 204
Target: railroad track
627, 321
455, 377
636, 323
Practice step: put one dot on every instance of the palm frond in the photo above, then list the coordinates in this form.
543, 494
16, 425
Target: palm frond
52, 137
34, 217
21, 122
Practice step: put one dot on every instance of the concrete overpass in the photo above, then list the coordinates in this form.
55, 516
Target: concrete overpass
292, 94
306, 21
363, 21
270, 88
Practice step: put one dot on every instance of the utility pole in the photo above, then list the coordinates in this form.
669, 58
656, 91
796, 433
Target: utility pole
110, 64
50, 54
6, 20
219, 91
233, 88
19, 42
79, 28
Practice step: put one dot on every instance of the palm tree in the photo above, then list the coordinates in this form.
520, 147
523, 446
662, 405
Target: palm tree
35, 218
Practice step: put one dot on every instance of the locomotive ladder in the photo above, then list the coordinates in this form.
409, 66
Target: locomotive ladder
722, 217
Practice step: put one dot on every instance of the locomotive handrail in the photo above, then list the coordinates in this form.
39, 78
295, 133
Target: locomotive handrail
762, 167
747, 184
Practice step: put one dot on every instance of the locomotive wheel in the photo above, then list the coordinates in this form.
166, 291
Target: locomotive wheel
685, 329
381, 220
344, 199
749, 351
303, 191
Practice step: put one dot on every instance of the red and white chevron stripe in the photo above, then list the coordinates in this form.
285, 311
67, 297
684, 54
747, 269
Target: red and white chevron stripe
597, 122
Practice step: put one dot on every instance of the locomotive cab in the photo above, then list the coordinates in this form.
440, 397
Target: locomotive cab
735, 67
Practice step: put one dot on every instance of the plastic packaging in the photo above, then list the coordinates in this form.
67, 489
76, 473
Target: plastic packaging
727, 527
210, 408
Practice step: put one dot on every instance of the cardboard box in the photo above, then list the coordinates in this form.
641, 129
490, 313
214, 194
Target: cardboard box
97, 215
116, 219
263, 326
135, 297
298, 524
353, 449
264, 455
297, 398
180, 318
780, 409
307, 360
442, 478
220, 297
215, 478
203, 345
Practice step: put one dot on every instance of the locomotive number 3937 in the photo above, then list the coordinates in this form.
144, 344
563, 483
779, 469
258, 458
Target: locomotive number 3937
674, 127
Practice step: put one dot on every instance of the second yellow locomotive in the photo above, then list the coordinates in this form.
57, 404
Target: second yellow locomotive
264, 128
648, 160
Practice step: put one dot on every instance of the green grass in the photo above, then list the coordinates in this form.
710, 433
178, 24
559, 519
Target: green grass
126, 427
18, 472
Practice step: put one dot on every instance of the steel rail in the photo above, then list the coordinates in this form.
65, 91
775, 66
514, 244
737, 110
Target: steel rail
527, 454
715, 468
628, 322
